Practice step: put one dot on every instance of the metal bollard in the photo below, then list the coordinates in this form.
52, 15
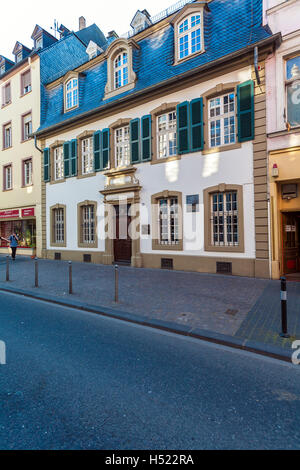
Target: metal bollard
70, 278
36, 273
7, 268
116, 283
284, 333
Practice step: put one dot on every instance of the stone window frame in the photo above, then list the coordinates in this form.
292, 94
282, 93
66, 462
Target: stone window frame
5, 103
162, 109
218, 90
84, 135
156, 246
115, 48
52, 234
69, 76
80, 243
185, 12
123, 122
207, 193
52, 147
5, 168
4, 126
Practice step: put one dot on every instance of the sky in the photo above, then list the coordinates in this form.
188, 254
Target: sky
21, 17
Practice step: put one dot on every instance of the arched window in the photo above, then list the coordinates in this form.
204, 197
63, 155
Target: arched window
72, 93
190, 36
121, 70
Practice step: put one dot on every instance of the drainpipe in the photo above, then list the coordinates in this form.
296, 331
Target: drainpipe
36, 146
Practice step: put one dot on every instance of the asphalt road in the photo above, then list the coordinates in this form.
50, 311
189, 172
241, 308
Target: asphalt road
74, 380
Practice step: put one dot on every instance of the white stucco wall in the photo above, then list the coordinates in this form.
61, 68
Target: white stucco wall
190, 175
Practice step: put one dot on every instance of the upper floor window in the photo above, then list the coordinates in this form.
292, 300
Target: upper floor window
121, 70
166, 131
189, 36
87, 151
25, 82
58, 163
7, 178
39, 42
122, 148
26, 126
221, 119
7, 136
27, 172
293, 90
72, 93
6, 94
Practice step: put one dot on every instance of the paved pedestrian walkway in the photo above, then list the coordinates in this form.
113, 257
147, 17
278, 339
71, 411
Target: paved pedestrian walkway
238, 307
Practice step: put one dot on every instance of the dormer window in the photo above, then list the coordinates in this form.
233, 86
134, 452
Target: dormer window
72, 93
189, 31
189, 36
2, 69
19, 57
120, 74
121, 70
39, 42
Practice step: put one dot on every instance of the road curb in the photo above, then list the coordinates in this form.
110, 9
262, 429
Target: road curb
183, 330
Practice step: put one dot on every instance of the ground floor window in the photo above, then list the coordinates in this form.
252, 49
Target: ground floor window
25, 229
224, 219
168, 221
58, 225
88, 224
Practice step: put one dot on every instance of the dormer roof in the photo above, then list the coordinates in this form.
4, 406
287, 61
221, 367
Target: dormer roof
20, 47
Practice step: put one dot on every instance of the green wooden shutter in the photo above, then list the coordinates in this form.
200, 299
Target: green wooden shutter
67, 172
97, 150
183, 140
245, 102
135, 140
105, 149
47, 165
146, 138
196, 124
73, 147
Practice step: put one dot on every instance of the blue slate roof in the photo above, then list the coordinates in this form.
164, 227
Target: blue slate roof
229, 27
92, 33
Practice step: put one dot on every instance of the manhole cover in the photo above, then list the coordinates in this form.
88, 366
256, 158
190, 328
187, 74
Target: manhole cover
232, 313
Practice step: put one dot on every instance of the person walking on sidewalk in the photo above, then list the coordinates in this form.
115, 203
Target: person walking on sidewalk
13, 242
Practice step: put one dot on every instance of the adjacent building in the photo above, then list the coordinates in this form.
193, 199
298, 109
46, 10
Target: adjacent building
283, 117
155, 150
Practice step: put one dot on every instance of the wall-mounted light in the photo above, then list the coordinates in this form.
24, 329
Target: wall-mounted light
275, 171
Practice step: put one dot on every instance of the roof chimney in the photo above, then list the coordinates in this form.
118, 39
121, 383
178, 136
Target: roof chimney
82, 23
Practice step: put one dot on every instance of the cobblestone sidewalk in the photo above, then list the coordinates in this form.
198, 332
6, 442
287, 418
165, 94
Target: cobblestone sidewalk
239, 307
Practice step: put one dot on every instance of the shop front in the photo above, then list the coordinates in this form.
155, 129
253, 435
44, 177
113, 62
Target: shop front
22, 222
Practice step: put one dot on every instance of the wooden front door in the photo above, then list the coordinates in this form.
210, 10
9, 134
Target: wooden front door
122, 241
290, 242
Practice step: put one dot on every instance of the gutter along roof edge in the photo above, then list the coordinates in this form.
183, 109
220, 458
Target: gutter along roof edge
276, 38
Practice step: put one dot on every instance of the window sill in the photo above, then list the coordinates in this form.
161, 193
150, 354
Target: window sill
26, 140
166, 160
87, 175
63, 180
119, 91
69, 110
158, 247
6, 148
223, 148
7, 190
191, 56
25, 94
224, 249
58, 245
5, 105
87, 246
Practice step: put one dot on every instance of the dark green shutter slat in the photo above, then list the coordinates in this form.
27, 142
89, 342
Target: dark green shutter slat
73, 145
245, 101
105, 149
66, 147
183, 139
146, 138
97, 150
196, 124
46, 165
135, 140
